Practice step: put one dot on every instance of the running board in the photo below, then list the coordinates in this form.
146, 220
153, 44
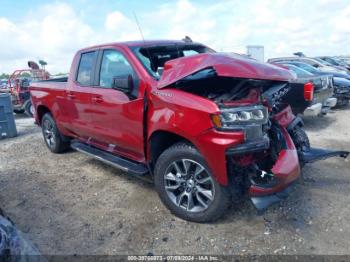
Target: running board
131, 167
315, 154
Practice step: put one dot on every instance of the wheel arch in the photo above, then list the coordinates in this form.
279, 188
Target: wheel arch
41, 111
159, 141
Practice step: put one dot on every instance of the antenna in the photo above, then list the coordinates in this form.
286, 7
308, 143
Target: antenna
143, 39
138, 25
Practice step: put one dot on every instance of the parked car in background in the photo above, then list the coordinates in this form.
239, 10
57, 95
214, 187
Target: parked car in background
323, 99
342, 69
344, 59
309, 61
335, 61
316, 71
3, 86
341, 82
341, 90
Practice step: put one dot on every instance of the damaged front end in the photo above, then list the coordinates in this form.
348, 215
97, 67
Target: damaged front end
342, 91
266, 167
268, 155
267, 171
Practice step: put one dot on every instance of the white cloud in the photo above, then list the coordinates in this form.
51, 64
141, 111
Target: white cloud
56, 31
53, 38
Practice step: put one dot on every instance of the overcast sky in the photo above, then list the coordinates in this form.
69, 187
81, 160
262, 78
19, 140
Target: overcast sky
33, 30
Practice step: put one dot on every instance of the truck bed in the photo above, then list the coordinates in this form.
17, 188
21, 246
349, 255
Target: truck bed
48, 93
47, 84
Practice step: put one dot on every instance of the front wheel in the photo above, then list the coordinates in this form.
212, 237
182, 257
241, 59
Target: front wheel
301, 142
186, 186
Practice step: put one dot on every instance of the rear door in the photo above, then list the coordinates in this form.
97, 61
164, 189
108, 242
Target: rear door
117, 117
78, 95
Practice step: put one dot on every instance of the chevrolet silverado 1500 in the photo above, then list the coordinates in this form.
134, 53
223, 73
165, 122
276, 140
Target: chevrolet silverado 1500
207, 127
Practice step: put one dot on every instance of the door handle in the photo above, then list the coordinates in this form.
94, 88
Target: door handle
97, 99
70, 95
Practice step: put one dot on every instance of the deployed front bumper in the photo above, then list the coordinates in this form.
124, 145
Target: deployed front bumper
220, 147
285, 170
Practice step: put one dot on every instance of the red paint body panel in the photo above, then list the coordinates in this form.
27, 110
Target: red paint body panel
224, 65
213, 144
108, 119
286, 169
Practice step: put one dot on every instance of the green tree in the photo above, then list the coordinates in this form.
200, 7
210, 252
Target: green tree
42, 63
4, 75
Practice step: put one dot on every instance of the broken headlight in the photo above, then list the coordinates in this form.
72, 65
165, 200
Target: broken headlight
236, 118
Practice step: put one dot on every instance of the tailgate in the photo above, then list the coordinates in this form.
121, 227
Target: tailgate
321, 95
295, 98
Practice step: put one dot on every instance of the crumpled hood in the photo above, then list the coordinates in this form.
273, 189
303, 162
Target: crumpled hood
224, 65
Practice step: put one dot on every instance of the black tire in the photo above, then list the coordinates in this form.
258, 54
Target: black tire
342, 102
29, 109
52, 136
301, 142
18, 111
221, 198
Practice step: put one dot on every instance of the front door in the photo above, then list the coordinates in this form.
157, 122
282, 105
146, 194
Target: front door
116, 116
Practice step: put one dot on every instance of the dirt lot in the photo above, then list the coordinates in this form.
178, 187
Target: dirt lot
72, 204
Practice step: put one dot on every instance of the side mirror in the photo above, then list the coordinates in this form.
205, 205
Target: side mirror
123, 83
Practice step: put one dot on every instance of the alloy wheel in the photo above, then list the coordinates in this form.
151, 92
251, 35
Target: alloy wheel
49, 133
31, 110
189, 185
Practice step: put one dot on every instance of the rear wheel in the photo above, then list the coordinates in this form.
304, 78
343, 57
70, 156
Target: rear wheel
18, 111
53, 139
29, 109
187, 187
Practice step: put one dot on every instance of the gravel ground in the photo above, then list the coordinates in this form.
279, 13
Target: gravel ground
72, 204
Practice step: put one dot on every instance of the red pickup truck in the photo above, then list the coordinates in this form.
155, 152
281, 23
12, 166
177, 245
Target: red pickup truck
206, 126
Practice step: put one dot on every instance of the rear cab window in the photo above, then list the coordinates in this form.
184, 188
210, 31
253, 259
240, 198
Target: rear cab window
86, 68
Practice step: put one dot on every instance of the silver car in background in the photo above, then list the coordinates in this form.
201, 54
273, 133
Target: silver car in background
307, 60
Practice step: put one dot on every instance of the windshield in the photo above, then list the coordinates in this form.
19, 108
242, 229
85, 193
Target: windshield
153, 58
307, 67
323, 62
337, 61
298, 71
330, 60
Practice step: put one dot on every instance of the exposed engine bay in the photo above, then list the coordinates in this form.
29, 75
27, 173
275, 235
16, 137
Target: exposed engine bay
223, 90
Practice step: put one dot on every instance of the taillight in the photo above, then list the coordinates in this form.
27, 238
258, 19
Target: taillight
309, 91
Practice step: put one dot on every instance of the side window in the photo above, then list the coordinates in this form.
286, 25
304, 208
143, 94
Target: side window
85, 70
190, 52
113, 64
